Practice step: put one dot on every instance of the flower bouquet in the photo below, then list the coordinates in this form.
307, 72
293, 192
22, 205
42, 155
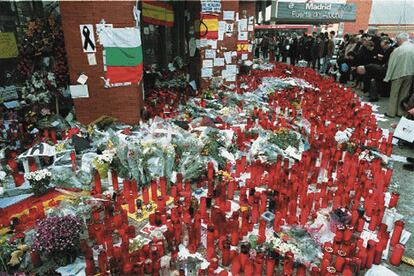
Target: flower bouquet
58, 238
102, 163
39, 180
3, 181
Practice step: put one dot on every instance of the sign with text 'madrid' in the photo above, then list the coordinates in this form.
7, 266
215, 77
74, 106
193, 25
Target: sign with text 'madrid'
315, 12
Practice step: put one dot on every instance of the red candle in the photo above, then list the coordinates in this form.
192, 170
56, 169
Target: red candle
340, 261
35, 257
248, 268
288, 264
396, 234
131, 205
270, 265
226, 253
258, 265
301, 270
235, 265
98, 184
145, 195
154, 191
397, 253
115, 180
163, 186
73, 160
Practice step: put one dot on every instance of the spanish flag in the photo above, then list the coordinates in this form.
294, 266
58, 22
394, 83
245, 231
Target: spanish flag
242, 47
157, 13
209, 26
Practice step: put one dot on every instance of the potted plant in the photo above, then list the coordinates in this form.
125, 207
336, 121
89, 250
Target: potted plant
58, 237
39, 180
102, 163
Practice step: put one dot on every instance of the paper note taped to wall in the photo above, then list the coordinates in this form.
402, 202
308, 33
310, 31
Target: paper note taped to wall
228, 15
206, 72
79, 91
8, 45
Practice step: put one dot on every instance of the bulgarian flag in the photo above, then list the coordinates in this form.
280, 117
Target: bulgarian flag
123, 54
209, 26
157, 13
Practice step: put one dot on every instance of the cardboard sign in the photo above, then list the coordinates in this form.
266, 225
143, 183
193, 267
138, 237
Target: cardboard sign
405, 130
8, 46
213, 6
88, 38
8, 93
41, 149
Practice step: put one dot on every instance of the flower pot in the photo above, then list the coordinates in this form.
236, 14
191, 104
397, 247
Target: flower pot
40, 187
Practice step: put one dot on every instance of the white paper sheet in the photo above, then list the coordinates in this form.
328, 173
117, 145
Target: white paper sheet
244, 56
231, 69
227, 57
82, 79
399, 158
242, 25
207, 63
228, 15
79, 91
91, 59
210, 53
219, 62
206, 72
242, 36
12, 104
405, 130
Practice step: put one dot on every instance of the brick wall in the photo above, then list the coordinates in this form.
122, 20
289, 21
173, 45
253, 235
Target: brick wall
363, 11
123, 103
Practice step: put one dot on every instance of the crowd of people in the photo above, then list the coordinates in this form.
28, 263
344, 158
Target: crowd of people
377, 64
315, 49
362, 58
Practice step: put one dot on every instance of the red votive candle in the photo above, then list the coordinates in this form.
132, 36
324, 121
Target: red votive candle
145, 195
73, 160
115, 183
393, 200
396, 234
98, 184
397, 253
270, 265
154, 191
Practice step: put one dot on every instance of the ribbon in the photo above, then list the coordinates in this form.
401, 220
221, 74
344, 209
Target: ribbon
86, 34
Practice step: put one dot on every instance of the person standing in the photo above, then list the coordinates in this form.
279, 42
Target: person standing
265, 47
308, 49
330, 48
293, 50
400, 72
316, 53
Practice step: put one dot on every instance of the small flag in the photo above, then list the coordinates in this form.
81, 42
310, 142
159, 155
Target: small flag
209, 26
123, 54
157, 13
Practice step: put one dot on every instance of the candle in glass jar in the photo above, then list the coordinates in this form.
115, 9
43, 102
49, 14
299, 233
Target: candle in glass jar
397, 254
396, 234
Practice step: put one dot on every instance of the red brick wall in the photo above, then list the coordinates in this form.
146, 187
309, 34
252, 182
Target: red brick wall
123, 103
363, 11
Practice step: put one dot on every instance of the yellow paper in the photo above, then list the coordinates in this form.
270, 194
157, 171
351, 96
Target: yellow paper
8, 46
145, 213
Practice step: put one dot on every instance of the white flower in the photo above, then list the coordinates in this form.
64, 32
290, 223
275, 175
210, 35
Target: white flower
2, 175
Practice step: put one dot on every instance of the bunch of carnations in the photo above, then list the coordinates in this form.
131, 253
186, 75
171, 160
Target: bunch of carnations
58, 237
